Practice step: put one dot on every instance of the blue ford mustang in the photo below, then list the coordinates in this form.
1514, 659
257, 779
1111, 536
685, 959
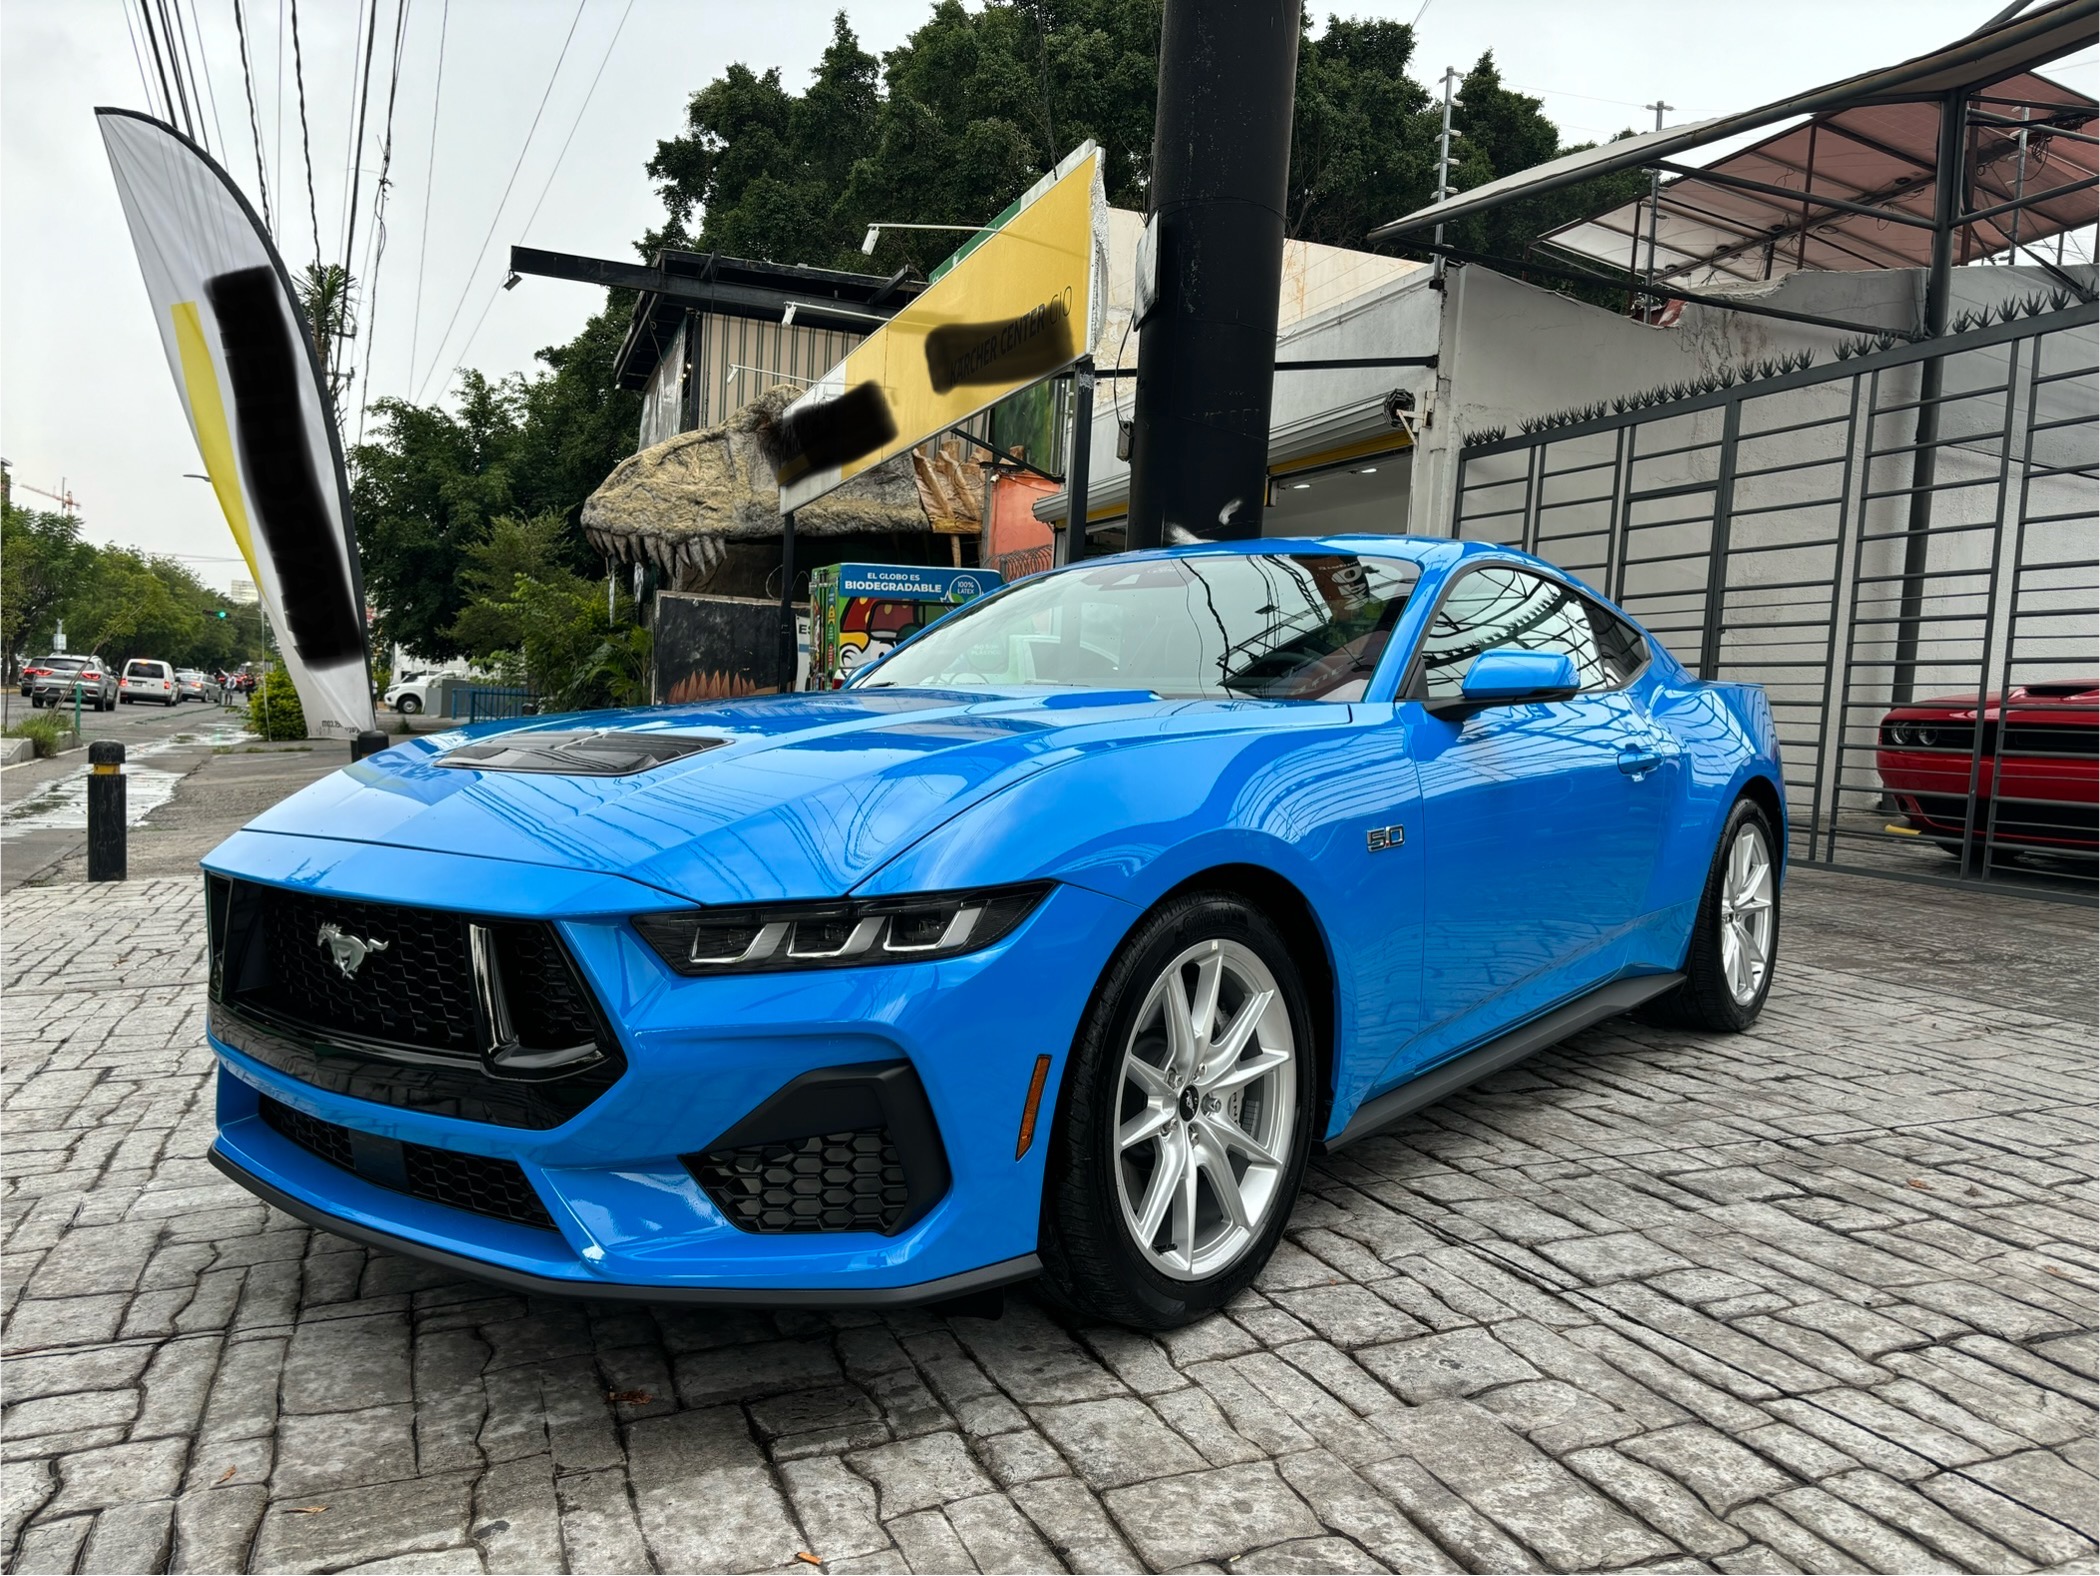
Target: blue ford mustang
1052, 945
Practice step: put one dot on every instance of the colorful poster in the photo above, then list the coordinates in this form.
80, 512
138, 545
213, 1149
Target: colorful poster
245, 370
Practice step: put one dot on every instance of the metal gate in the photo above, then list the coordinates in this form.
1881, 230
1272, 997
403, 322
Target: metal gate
1897, 540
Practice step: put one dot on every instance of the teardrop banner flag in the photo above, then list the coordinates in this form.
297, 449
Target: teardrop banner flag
249, 380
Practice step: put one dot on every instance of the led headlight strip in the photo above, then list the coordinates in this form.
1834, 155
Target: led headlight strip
840, 933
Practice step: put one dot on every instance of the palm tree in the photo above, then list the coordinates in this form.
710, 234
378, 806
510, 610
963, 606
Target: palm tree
327, 294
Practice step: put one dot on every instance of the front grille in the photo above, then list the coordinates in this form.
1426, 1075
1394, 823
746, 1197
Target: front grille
404, 1027
2073, 740
831, 1182
477, 1183
417, 989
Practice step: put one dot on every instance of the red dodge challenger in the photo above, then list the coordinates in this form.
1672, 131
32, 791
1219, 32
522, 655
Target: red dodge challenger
2040, 762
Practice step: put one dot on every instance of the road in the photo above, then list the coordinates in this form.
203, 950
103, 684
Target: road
1817, 1297
43, 804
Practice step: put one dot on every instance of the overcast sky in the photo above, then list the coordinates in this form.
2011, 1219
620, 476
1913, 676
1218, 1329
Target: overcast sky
85, 395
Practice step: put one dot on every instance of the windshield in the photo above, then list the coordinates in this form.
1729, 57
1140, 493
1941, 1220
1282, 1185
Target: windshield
1269, 626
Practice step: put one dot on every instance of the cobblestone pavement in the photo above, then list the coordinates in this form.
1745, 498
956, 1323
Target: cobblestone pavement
1819, 1297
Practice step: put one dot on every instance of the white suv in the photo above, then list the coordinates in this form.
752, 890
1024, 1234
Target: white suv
145, 679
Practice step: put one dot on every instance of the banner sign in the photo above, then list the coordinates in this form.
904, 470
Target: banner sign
1020, 302
250, 384
915, 582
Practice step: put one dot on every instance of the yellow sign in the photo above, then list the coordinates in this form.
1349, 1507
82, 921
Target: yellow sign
1022, 303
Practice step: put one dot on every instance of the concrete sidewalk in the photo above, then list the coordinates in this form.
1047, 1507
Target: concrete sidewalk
1818, 1297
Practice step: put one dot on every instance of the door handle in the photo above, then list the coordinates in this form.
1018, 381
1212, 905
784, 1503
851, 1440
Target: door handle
1637, 760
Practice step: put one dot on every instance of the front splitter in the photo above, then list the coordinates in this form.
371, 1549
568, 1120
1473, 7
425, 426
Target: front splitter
948, 1287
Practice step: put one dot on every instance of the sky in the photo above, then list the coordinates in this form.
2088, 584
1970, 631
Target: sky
538, 133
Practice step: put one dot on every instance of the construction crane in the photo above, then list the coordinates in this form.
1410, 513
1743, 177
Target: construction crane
63, 497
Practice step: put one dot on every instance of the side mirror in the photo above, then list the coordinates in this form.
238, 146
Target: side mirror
1508, 678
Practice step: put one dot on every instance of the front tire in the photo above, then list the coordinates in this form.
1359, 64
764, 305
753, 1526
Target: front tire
1186, 1119
1735, 939
408, 705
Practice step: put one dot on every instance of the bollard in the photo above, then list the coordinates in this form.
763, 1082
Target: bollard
105, 811
370, 742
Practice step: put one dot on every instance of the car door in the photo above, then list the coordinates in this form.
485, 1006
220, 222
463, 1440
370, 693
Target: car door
1541, 822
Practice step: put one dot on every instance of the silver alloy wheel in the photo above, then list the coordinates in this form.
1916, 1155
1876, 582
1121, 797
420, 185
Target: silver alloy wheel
1206, 1105
1746, 915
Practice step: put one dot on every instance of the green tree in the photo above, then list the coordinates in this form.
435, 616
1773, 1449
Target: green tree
531, 618
426, 486
41, 556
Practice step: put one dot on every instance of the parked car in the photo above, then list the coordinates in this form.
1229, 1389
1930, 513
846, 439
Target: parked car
1054, 943
2037, 773
33, 670
193, 685
242, 682
146, 678
410, 693
54, 686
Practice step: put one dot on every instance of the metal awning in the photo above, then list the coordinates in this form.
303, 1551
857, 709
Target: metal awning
1854, 189
2005, 51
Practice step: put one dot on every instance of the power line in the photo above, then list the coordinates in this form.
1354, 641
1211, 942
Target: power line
523, 149
378, 251
429, 173
145, 83
277, 120
160, 66
211, 92
357, 170
526, 231
350, 127
306, 146
262, 181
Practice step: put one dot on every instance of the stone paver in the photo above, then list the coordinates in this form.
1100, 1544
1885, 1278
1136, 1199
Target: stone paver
1817, 1297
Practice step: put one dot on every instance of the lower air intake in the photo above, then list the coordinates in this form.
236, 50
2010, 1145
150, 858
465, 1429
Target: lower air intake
827, 1182
481, 1184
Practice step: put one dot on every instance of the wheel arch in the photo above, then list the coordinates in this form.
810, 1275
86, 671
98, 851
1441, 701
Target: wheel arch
1278, 899
1764, 793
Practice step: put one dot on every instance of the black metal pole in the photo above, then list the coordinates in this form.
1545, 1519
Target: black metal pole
105, 811
1948, 201
788, 643
1221, 153
1071, 542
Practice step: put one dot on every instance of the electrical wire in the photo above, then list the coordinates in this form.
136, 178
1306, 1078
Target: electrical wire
350, 129
262, 180
211, 92
437, 98
160, 67
525, 233
495, 217
357, 169
306, 146
277, 120
145, 82
377, 256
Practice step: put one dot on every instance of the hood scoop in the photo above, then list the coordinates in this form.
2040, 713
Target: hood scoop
598, 753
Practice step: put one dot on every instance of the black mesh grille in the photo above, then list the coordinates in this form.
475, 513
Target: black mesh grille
310, 1133
834, 1182
479, 1183
548, 1007
413, 988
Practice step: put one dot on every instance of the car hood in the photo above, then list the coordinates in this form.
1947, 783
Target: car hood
806, 795
2079, 696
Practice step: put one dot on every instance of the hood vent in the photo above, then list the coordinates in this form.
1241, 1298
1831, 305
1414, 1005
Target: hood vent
599, 753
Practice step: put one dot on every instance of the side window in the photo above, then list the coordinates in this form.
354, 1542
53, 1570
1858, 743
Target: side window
1493, 608
1624, 648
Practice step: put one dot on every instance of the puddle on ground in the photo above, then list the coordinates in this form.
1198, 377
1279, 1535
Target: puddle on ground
62, 804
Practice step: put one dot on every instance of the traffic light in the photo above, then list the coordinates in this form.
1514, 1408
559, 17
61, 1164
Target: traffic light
219, 613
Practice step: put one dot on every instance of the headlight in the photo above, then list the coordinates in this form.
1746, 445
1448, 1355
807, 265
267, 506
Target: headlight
844, 933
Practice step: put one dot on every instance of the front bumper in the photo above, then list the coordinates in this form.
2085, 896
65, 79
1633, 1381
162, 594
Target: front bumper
702, 1054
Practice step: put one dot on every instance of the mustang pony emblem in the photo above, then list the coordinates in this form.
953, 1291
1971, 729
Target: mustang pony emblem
349, 952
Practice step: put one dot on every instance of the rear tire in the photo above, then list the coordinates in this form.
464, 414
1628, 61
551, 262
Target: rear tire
1735, 938
1201, 1132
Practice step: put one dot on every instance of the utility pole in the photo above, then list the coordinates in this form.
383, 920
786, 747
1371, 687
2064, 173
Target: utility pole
1221, 155
1445, 163
1654, 200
